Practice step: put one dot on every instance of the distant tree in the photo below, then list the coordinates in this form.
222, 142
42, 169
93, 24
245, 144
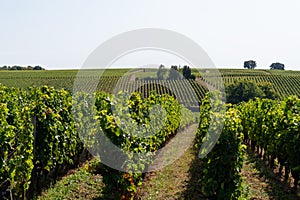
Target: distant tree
174, 73
242, 91
16, 68
4, 67
277, 65
161, 72
186, 72
250, 64
38, 68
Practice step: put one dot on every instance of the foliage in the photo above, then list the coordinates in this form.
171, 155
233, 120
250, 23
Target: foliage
56, 139
15, 67
242, 91
250, 64
278, 66
37, 136
220, 169
268, 90
134, 139
40, 129
16, 142
245, 90
273, 127
187, 73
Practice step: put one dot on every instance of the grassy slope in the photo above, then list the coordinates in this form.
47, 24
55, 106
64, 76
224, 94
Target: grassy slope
81, 183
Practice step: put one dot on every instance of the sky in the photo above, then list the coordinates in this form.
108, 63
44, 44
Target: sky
61, 34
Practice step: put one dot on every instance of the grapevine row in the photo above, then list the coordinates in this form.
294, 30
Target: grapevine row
42, 130
221, 164
272, 128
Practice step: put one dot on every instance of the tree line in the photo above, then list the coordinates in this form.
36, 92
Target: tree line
175, 73
16, 67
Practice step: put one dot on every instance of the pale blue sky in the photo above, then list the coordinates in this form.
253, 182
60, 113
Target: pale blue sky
61, 34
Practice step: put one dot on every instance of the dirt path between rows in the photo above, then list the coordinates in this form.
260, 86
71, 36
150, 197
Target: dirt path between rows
173, 181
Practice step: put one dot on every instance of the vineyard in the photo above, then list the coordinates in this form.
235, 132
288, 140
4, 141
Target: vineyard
285, 83
48, 130
39, 134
